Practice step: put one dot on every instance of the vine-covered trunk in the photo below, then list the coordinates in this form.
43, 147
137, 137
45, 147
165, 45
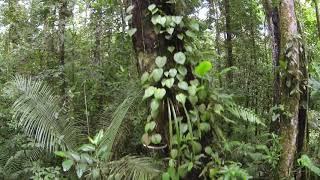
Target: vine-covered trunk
290, 84
148, 45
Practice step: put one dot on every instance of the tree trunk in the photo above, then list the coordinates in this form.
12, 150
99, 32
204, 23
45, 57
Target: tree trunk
61, 51
148, 45
228, 39
98, 32
272, 14
290, 84
304, 105
316, 7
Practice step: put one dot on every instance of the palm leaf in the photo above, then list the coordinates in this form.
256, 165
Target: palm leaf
39, 113
117, 119
134, 168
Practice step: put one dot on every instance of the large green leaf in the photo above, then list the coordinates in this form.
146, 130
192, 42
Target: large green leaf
203, 68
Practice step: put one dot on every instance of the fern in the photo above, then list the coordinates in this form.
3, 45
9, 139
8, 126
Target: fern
39, 113
245, 114
134, 168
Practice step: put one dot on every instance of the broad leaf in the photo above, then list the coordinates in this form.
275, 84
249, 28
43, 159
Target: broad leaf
179, 57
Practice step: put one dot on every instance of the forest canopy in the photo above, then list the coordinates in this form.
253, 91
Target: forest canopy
159, 89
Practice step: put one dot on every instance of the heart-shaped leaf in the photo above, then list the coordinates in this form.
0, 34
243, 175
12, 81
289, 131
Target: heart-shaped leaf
174, 153
128, 18
150, 126
151, 7
162, 21
179, 57
192, 90
177, 19
181, 98
144, 77
129, 9
155, 19
168, 82
157, 74
171, 48
132, 31
173, 72
183, 85
154, 105
161, 61
156, 139
146, 139
180, 36
159, 93
182, 70
193, 99
149, 92
170, 30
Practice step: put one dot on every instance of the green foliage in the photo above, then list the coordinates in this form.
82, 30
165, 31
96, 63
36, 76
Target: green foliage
305, 161
40, 115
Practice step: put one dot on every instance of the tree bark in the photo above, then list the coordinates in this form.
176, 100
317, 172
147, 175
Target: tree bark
272, 14
316, 7
148, 45
228, 39
61, 51
98, 33
290, 84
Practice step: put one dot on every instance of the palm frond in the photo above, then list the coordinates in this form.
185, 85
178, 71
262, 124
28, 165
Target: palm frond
117, 119
39, 113
134, 168
20, 161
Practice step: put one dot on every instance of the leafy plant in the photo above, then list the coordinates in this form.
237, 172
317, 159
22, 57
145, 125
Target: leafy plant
39, 114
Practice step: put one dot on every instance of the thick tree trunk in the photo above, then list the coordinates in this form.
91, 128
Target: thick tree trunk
61, 51
148, 44
145, 38
290, 84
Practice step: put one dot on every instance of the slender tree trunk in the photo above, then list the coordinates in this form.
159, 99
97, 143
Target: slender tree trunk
61, 51
272, 14
304, 105
316, 7
290, 84
228, 39
98, 32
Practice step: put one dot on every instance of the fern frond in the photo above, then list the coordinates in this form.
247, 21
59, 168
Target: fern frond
245, 114
38, 111
134, 168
